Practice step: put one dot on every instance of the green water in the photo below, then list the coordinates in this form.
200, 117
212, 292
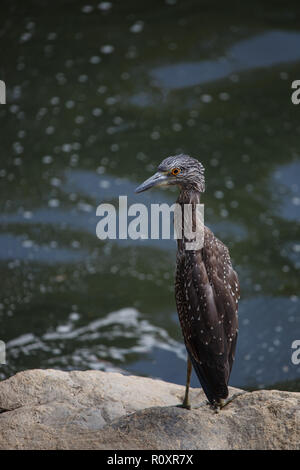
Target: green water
97, 95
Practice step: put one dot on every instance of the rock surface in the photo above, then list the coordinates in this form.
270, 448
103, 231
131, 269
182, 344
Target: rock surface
50, 409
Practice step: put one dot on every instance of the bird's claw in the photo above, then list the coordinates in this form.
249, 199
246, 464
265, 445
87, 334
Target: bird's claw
185, 405
218, 406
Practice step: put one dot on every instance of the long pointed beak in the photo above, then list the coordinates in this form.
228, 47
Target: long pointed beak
158, 179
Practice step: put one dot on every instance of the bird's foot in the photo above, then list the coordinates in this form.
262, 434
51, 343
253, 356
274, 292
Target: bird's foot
186, 404
218, 406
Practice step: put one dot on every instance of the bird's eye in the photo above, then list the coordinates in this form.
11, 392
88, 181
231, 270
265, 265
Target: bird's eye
175, 171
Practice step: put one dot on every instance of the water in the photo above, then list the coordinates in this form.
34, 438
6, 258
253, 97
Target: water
97, 96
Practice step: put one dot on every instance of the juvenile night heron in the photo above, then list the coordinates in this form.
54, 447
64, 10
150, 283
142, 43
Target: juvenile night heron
206, 288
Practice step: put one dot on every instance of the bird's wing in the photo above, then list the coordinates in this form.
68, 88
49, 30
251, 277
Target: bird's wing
207, 303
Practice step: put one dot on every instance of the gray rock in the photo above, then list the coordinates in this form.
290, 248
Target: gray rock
50, 409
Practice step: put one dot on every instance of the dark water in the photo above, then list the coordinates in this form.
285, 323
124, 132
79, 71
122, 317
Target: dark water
97, 95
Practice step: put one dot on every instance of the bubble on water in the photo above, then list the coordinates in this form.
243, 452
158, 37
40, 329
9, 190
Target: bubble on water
155, 135
107, 49
49, 130
70, 104
18, 161
111, 130
87, 9
79, 119
224, 213
63, 328
214, 162
234, 78
75, 244
66, 148
74, 316
141, 156
25, 37
48, 50
125, 75
83, 206
100, 170
97, 112
114, 147
137, 27
284, 75
118, 120
74, 159
105, 6
17, 148
206, 98
102, 89
55, 181
224, 96
177, 127
150, 167
104, 184
131, 53
111, 100
219, 194
83, 78
55, 100
14, 108
16, 92
27, 243
194, 113
20, 66
229, 184
52, 36
95, 59
69, 63
60, 77
27, 215
53, 203
91, 140
47, 159
296, 201
30, 25
21, 134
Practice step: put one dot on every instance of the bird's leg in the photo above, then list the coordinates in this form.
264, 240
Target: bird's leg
186, 403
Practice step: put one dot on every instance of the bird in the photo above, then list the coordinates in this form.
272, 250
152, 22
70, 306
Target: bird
207, 289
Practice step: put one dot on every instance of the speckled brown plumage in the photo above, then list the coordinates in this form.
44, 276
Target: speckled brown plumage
207, 293
206, 287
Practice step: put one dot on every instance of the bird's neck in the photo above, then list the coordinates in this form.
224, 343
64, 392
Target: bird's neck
189, 197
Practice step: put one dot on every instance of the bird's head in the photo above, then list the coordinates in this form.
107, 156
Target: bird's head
185, 171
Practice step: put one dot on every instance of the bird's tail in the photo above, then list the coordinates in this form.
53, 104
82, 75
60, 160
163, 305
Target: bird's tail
214, 387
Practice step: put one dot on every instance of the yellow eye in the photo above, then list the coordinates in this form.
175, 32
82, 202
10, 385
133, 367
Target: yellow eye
176, 171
